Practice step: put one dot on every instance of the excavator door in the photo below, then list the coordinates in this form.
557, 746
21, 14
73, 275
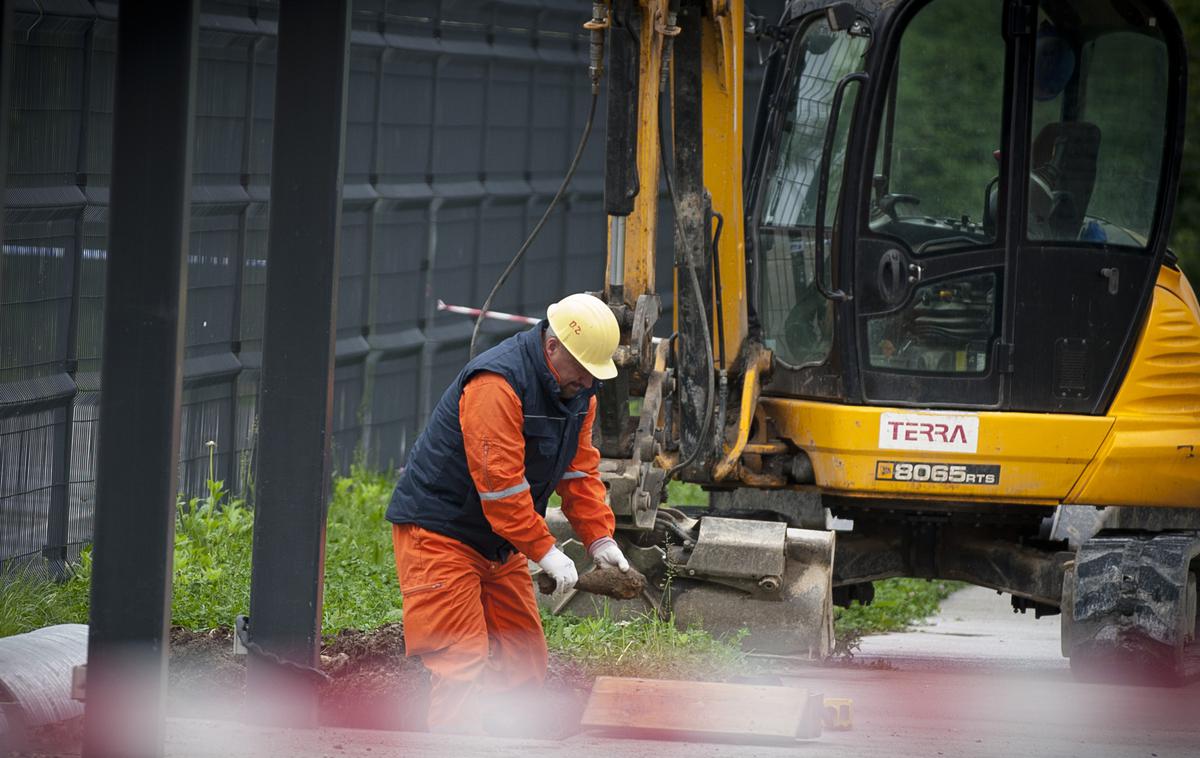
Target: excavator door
1009, 241
965, 203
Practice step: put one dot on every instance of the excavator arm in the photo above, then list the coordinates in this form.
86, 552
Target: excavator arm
682, 405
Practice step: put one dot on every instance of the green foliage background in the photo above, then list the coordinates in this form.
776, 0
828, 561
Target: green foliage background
1185, 237
943, 143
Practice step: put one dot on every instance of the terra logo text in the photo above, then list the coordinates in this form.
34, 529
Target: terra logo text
941, 432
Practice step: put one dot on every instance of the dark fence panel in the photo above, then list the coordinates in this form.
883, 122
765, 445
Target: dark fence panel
462, 119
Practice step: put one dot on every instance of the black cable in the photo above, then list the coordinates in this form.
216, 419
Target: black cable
487, 304
695, 281
671, 527
718, 289
241, 628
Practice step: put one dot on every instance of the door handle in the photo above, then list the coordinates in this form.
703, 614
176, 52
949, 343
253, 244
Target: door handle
835, 108
889, 279
1113, 275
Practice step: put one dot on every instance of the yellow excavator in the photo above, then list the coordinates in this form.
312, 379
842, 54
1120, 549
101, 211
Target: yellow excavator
929, 327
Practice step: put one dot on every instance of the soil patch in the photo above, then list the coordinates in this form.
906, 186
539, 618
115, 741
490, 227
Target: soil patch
372, 685
204, 678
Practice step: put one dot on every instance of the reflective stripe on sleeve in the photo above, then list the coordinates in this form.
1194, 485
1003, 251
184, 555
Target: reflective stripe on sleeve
574, 475
498, 494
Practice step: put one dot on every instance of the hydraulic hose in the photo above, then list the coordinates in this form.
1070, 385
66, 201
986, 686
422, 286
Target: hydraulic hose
487, 304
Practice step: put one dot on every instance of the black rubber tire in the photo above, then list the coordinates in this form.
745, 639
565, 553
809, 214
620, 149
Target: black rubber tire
1124, 609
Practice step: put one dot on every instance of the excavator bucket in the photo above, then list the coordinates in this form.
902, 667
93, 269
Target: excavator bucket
772, 582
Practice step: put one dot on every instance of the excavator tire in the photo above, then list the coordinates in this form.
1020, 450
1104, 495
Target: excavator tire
1130, 610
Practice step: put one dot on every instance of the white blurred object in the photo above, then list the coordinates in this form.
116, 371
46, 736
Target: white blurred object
36, 669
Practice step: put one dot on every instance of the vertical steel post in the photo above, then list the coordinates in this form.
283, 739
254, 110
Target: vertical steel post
298, 355
6, 66
58, 524
138, 456
6, 56
239, 486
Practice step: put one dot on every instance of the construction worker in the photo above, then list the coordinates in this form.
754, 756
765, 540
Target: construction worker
469, 509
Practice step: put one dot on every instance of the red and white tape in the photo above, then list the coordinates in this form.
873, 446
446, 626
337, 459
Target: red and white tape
497, 315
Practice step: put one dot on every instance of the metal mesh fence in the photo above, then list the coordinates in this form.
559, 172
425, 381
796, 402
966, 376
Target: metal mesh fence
462, 117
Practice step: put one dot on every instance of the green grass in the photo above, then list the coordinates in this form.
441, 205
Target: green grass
361, 591
685, 493
644, 646
211, 582
898, 604
214, 540
27, 604
213, 545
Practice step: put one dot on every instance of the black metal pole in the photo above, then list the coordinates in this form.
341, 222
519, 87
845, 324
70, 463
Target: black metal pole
6, 55
138, 451
298, 356
58, 524
6, 65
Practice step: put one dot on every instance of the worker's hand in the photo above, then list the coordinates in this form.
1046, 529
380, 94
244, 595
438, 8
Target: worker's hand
605, 552
560, 568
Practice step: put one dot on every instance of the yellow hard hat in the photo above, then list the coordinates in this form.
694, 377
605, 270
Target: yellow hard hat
588, 330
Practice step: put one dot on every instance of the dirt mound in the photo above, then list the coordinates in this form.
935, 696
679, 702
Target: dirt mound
385, 642
204, 678
372, 685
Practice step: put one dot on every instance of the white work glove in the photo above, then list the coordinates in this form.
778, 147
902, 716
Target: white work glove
560, 568
605, 552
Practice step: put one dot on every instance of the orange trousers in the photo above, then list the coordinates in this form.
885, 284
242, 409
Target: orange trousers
473, 622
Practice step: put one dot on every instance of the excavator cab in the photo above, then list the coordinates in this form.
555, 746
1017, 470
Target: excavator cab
944, 190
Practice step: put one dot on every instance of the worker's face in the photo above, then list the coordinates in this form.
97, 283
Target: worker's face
572, 377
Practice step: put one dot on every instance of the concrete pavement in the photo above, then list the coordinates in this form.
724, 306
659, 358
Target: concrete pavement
977, 680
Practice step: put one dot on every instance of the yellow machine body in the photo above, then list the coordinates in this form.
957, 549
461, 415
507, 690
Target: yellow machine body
1150, 455
721, 63
1144, 452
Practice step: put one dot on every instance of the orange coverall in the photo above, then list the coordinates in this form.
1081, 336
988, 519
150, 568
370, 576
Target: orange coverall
473, 621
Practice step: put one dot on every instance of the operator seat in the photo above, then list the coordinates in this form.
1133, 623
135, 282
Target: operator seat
1064, 162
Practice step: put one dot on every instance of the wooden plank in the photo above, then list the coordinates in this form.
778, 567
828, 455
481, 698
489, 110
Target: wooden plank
658, 707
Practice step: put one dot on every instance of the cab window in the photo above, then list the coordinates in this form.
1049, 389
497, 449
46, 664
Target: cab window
796, 318
936, 163
1099, 119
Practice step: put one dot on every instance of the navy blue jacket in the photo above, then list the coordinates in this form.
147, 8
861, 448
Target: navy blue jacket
436, 491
